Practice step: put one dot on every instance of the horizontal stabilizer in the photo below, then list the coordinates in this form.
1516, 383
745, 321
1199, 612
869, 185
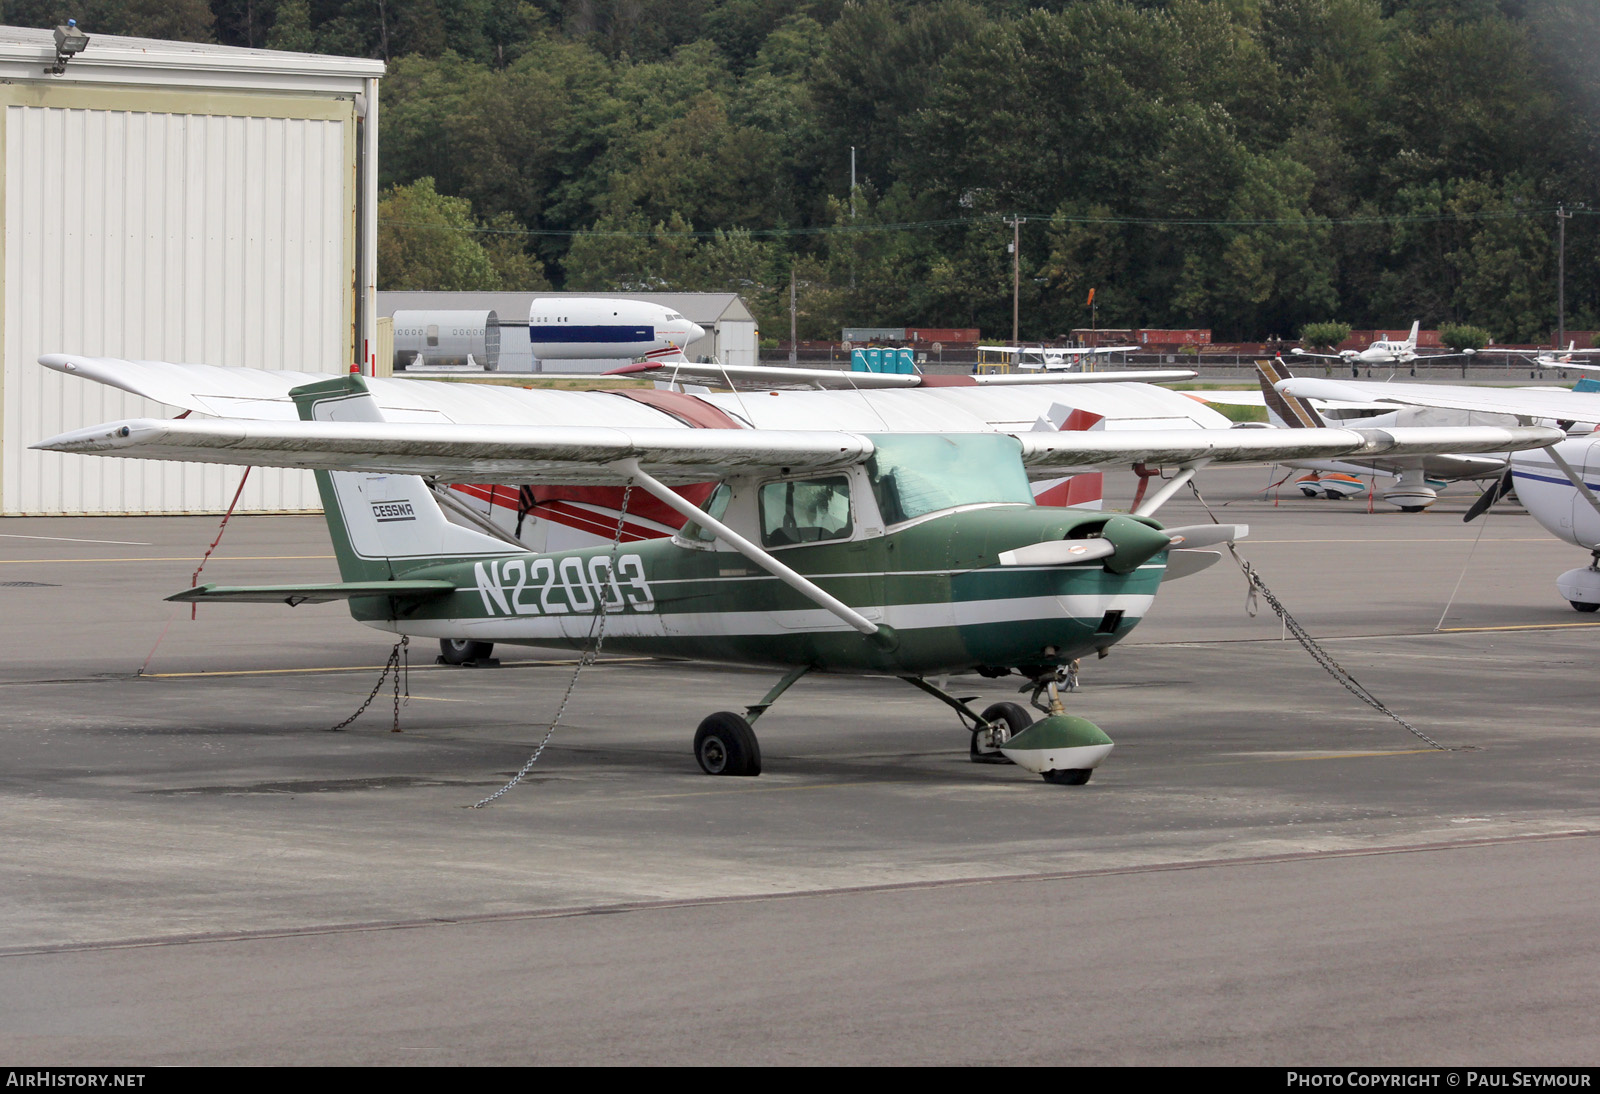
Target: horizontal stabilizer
314, 594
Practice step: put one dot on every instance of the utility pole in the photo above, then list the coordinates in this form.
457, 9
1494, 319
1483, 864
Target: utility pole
1562, 216
1016, 275
793, 356
852, 214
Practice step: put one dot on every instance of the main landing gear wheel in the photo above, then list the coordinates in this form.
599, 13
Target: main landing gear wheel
1583, 605
726, 745
1075, 777
1016, 718
463, 651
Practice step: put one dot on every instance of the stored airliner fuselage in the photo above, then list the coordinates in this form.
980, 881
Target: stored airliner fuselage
585, 327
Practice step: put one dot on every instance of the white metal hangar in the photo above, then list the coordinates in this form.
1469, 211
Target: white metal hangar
179, 202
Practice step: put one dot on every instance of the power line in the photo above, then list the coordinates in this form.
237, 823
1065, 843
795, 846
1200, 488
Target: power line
1300, 223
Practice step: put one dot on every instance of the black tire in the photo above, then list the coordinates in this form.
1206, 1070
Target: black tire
1076, 776
726, 745
463, 651
1016, 718
1412, 508
1582, 606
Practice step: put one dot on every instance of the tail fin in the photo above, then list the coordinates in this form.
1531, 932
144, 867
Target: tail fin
382, 525
1285, 410
1416, 325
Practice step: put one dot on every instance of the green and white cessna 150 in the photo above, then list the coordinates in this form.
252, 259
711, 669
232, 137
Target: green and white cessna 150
895, 554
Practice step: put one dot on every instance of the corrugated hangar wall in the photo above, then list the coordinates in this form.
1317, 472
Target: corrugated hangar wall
166, 224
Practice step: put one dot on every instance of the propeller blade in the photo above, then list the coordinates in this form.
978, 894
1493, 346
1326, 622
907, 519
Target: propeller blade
1497, 489
1207, 535
1058, 552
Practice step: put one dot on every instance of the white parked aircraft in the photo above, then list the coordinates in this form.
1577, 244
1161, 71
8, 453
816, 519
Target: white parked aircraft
1052, 359
1565, 359
1558, 485
574, 328
1415, 477
1381, 352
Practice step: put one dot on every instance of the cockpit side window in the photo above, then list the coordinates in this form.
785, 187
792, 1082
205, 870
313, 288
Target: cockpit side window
805, 511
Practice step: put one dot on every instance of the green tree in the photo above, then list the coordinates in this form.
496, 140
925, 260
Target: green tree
427, 240
292, 29
1460, 336
1326, 335
179, 20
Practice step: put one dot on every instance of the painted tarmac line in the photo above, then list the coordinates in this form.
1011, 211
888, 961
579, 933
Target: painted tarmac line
378, 668
1190, 643
173, 558
676, 903
71, 539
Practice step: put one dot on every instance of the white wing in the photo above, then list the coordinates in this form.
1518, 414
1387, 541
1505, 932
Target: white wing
1528, 403
764, 376
506, 454
1082, 450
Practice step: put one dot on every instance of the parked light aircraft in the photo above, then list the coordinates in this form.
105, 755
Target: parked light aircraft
1565, 359
893, 554
1381, 352
1557, 484
1054, 359
1417, 479
587, 327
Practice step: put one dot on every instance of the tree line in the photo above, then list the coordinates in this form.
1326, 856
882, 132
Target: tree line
1248, 165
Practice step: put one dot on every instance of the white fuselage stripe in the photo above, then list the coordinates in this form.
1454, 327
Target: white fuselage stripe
905, 617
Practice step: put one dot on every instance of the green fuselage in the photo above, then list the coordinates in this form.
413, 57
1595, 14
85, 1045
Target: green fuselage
934, 587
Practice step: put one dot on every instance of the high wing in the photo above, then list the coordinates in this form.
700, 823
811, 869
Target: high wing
1527, 403
578, 455
839, 379
507, 454
1075, 351
230, 392
1578, 366
1184, 447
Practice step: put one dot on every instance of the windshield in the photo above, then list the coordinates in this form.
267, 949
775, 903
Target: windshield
913, 474
713, 507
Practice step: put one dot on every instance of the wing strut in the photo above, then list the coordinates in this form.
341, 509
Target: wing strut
749, 550
1172, 486
1575, 478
